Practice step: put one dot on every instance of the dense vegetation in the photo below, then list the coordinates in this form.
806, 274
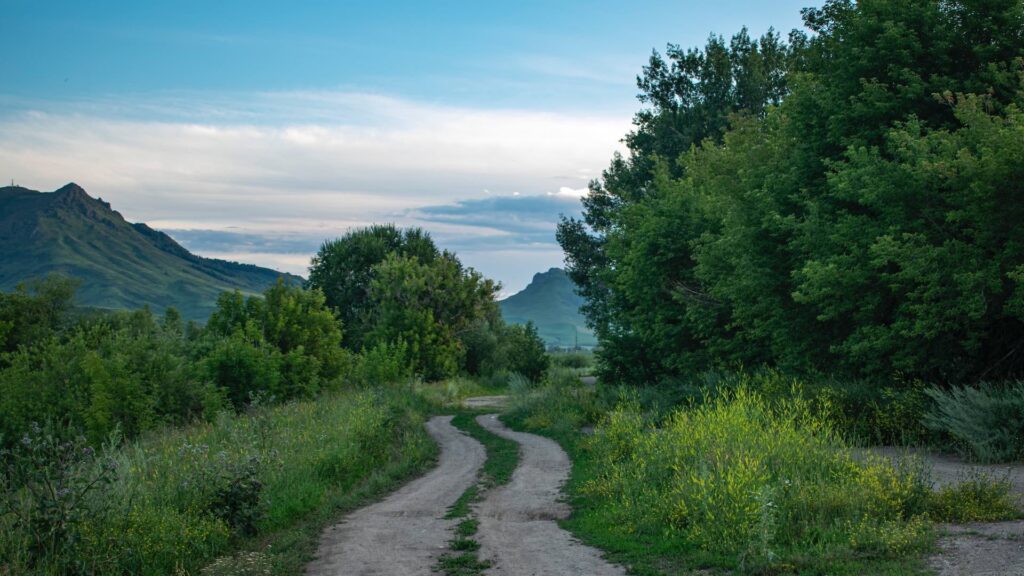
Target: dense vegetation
140, 444
749, 476
845, 202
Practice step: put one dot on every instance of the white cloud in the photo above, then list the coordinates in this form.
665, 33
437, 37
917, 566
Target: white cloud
298, 161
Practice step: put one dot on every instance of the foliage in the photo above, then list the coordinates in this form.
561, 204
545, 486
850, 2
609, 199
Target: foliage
976, 498
427, 306
34, 310
383, 364
852, 213
735, 481
495, 349
343, 270
186, 496
988, 420
48, 487
577, 360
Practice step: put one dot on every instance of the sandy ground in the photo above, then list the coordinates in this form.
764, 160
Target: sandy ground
405, 533
518, 529
993, 549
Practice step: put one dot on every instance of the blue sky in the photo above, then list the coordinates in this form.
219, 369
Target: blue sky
254, 130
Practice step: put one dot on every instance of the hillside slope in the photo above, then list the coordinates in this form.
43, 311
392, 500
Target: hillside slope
551, 302
119, 264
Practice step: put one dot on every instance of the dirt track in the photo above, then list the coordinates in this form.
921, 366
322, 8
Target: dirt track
518, 529
405, 533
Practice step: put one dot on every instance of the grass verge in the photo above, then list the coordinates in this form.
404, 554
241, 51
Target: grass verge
735, 485
501, 462
245, 494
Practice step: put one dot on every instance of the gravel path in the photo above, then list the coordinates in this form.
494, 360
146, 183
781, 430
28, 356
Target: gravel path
518, 529
404, 534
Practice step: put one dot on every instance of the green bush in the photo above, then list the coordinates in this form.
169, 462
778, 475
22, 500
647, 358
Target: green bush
383, 364
977, 498
741, 477
988, 420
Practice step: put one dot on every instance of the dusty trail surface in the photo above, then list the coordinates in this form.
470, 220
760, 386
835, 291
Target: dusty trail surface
518, 531
405, 533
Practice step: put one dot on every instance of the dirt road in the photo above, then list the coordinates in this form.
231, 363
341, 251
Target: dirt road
405, 533
518, 529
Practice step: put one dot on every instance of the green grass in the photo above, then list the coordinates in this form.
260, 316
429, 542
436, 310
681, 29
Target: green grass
735, 486
314, 461
501, 462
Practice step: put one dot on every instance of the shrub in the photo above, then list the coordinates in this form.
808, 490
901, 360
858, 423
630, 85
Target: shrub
988, 420
383, 364
743, 477
47, 485
977, 498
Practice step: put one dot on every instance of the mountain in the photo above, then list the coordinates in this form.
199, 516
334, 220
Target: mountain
552, 303
119, 264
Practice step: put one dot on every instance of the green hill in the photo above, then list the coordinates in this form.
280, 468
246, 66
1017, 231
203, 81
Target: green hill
551, 302
119, 264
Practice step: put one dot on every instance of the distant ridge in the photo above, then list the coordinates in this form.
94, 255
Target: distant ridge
550, 301
120, 265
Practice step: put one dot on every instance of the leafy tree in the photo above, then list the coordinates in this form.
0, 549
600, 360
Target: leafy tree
343, 270
524, 351
34, 311
427, 306
294, 322
862, 220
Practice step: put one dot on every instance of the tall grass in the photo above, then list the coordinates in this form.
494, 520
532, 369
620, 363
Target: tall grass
183, 497
750, 476
743, 478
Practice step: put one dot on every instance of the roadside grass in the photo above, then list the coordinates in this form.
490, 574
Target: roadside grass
738, 484
501, 462
448, 393
245, 492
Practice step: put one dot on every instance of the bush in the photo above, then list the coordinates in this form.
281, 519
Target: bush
559, 404
988, 420
977, 498
48, 487
745, 478
383, 364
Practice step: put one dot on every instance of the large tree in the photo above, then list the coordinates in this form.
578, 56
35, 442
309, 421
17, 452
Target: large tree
343, 270
864, 222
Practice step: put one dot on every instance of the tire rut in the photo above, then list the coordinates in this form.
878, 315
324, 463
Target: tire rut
405, 533
518, 531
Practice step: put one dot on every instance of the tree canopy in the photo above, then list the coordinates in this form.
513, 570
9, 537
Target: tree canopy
848, 201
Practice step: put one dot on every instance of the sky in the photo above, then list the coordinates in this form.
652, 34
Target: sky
256, 130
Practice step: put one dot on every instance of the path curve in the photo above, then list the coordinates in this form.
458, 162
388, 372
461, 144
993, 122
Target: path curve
518, 529
405, 533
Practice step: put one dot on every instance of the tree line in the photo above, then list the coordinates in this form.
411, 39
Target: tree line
846, 200
382, 305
